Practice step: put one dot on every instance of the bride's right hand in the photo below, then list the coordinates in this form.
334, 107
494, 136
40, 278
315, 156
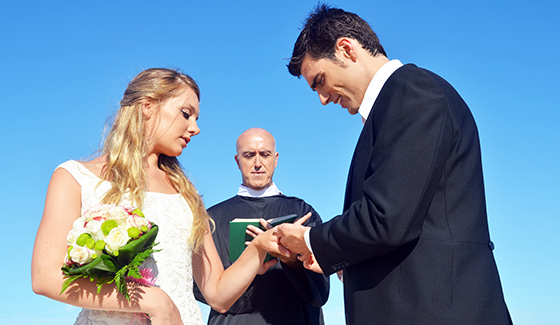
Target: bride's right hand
164, 311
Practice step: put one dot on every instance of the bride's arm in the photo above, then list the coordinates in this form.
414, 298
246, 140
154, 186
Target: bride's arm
221, 288
62, 207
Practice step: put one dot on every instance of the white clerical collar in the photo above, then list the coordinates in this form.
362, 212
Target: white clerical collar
269, 191
375, 86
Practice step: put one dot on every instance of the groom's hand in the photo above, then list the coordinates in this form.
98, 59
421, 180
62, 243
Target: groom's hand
310, 263
291, 236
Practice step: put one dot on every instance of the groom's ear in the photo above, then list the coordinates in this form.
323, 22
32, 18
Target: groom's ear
346, 47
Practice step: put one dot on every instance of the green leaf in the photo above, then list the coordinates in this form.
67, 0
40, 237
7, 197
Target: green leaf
100, 282
101, 265
68, 281
134, 247
120, 282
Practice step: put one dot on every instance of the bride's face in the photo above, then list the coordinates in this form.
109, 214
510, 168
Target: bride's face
171, 126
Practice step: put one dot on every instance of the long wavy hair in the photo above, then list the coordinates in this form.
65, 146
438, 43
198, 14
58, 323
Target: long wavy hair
126, 144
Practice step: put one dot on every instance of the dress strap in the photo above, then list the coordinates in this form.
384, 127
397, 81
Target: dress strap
82, 175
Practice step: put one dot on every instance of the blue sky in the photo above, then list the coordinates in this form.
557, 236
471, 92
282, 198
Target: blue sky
64, 67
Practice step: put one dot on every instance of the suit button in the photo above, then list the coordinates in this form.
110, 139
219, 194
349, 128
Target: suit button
491, 245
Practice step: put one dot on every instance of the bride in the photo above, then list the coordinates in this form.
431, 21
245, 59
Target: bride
156, 120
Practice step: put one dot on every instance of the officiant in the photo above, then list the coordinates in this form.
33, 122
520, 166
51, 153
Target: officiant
286, 293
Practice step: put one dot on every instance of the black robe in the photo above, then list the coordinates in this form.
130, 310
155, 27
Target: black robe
282, 295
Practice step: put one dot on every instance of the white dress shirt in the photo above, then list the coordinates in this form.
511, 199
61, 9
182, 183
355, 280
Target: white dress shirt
375, 86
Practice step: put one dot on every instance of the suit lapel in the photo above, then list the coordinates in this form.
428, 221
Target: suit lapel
358, 166
364, 148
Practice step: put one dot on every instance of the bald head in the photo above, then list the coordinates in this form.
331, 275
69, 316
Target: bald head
256, 158
252, 134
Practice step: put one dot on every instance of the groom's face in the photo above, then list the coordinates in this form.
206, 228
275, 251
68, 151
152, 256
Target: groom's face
334, 82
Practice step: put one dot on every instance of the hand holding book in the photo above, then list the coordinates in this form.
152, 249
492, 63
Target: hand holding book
242, 231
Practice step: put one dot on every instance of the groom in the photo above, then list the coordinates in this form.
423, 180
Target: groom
413, 239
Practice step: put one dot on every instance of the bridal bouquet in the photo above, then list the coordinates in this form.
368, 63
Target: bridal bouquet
107, 244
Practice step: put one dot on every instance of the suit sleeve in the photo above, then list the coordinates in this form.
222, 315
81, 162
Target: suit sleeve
404, 149
313, 288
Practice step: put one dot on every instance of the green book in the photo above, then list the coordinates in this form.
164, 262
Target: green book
238, 236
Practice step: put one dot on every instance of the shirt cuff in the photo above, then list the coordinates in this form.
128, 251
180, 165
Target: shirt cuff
307, 241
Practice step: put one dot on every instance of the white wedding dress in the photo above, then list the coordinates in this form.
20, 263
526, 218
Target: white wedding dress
172, 265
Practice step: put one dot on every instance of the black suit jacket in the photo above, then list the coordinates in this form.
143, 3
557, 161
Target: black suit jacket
413, 239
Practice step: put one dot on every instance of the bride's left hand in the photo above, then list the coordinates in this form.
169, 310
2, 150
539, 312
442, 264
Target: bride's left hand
278, 251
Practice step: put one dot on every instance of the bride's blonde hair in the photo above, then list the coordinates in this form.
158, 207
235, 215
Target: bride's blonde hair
126, 146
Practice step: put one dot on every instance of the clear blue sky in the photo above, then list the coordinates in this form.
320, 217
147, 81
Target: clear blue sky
65, 64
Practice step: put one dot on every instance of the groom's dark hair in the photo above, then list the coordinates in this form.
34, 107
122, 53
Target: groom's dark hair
321, 30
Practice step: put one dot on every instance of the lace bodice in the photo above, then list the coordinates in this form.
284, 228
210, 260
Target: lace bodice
172, 265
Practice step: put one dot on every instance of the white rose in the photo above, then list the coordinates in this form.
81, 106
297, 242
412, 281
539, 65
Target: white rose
81, 255
99, 212
73, 236
94, 229
119, 215
78, 223
76, 231
142, 222
117, 238
137, 222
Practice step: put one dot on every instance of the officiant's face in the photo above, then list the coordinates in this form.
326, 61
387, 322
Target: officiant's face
256, 158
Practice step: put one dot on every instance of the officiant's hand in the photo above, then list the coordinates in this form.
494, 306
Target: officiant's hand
266, 265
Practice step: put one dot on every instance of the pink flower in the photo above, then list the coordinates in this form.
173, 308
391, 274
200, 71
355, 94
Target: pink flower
148, 277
